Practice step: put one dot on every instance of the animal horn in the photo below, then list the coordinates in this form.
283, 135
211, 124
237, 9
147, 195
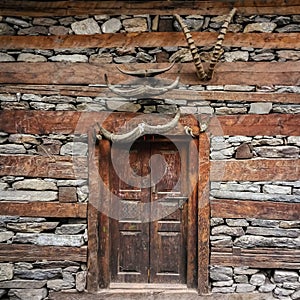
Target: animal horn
140, 130
217, 52
142, 91
147, 72
191, 43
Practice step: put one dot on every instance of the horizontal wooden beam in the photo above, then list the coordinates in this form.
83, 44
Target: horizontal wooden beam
251, 125
75, 7
176, 94
151, 39
241, 73
67, 122
64, 167
226, 208
44, 209
256, 258
255, 170
32, 253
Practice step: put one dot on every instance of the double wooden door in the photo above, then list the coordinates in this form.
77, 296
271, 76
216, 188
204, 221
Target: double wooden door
148, 237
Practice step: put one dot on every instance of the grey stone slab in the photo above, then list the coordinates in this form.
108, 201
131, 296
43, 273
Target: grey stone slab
22, 284
29, 196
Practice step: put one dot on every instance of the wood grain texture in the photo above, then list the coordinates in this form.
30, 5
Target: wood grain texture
255, 170
32, 253
256, 258
151, 39
75, 7
203, 214
227, 208
252, 125
64, 167
67, 122
241, 73
176, 94
44, 209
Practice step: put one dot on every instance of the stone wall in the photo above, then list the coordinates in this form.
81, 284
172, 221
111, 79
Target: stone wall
24, 280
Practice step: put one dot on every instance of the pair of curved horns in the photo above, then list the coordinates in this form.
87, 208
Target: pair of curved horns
141, 91
147, 72
141, 129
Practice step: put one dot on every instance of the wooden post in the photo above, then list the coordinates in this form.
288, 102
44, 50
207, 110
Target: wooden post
203, 214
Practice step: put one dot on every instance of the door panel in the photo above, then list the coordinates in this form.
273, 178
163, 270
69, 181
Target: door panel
152, 252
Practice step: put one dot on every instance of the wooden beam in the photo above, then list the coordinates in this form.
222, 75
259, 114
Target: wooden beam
176, 94
226, 208
252, 125
75, 7
241, 73
44, 209
203, 214
32, 253
256, 258
67, 122
255, 170
151, 39
64, 167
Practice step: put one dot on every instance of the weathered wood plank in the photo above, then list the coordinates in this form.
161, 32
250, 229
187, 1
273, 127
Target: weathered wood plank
44, 209
255, 170
67, 122
31, 253
203, 214
69, 8
176, 94
257, 258
65, 167
251, 125
248, 73
226, 208
151, 39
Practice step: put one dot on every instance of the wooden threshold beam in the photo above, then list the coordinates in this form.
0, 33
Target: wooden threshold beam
240, 73
61, 167
75, 7
151, 39
240, 209
176, 94
32, 253
255, 170
44, 209
256, 258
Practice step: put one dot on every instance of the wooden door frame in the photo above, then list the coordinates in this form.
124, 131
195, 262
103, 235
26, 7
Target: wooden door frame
98, 267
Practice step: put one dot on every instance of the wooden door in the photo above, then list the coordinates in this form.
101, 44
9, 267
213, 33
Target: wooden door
148, 238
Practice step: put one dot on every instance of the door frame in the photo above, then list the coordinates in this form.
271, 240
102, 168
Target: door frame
98, 267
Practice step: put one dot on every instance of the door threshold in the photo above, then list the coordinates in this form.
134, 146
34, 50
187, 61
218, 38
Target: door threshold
148, 286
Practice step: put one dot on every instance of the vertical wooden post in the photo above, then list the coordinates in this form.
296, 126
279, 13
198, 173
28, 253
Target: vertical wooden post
98, 231
192, 161
203, 214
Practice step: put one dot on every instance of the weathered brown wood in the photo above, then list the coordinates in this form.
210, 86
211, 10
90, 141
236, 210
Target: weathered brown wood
69, 8
44, 209
13, 253
226, 208
255, 170
45, 122
93, 272
257, 258
251, 125
151, 39
192, 217
64, 167
189, 95
249, 73
203, 214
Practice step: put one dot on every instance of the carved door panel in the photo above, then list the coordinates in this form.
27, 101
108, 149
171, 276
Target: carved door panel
148, 238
